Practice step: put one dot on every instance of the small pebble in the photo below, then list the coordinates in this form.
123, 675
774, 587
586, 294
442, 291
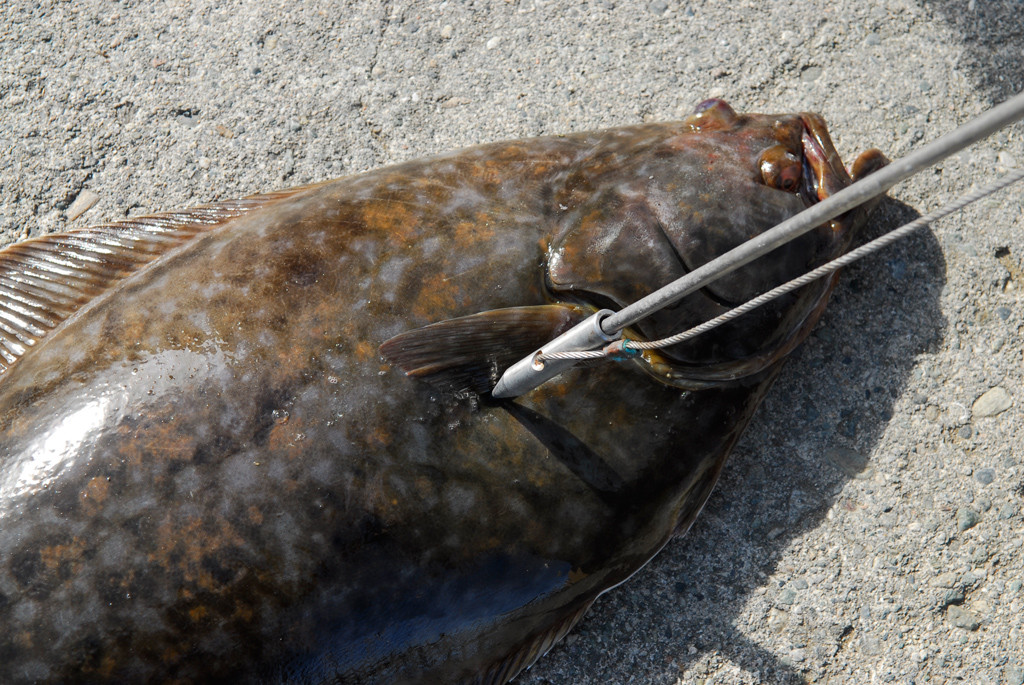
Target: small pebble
848, 426
952, 597
898, 268
204, 162
1006, 511
82, 204
287, 164
966, 519
786, 597
493, 42
1003, 313
807, 412
962, 618
873, 39
810, 74
993, 402
447, 31
871, 645
658, 7
1014, 675
1007, 160
849, 461
985, 476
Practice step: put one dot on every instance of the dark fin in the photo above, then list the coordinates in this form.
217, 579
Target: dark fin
469, 354
528, 652
866, 164
45, 280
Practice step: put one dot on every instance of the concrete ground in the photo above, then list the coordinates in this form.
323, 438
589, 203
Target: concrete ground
869, 526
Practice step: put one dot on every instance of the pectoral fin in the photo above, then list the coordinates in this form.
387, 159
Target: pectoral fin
470, 353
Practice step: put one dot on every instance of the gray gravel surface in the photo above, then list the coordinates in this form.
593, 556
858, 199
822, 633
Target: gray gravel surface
869, 526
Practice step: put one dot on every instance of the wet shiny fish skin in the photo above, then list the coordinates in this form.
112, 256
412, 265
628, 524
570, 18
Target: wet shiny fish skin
207, 471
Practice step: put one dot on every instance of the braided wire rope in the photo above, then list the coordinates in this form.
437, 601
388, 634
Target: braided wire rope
625, 349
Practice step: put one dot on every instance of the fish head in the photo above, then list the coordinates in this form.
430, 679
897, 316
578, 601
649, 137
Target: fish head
679, 195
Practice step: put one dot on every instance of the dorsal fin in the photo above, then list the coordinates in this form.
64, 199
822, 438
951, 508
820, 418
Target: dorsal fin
45, 280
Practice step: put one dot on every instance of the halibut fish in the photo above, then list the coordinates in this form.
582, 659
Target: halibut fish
209, 472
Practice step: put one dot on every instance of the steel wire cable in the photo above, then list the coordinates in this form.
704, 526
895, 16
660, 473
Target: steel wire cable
627, 348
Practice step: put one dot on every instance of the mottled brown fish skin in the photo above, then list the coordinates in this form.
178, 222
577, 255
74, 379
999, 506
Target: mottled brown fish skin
210, 474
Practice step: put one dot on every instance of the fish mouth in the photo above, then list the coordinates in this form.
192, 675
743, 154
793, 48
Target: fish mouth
823, 172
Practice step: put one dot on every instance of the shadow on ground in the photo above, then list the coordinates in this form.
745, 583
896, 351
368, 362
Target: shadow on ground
992, 40
831, 404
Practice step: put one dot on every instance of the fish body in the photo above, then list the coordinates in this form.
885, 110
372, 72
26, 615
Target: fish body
208, 472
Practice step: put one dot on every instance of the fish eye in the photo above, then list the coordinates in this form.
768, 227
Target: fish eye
716, 103
780, 169
789, 177
712, 114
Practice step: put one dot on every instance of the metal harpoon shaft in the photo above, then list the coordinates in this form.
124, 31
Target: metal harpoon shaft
527, 374
628, 349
